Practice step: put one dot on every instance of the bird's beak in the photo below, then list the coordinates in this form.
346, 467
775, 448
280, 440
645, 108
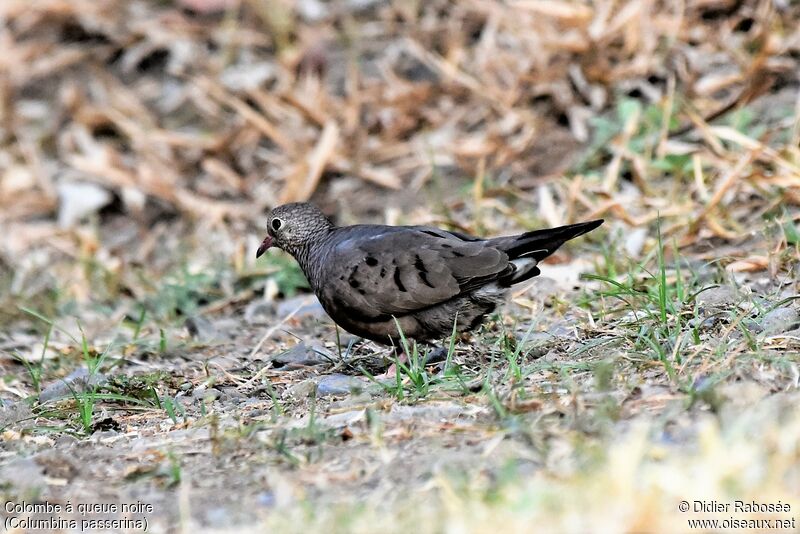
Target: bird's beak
264, 246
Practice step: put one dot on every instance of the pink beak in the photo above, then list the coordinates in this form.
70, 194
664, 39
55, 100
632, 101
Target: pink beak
264, 246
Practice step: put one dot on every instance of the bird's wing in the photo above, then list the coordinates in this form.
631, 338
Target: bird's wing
376, 272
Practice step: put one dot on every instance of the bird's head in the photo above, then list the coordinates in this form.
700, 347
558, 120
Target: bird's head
292, 227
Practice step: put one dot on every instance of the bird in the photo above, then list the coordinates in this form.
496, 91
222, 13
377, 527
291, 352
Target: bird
384, 282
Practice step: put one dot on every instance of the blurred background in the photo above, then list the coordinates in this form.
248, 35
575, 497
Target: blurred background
143, 142
139, 137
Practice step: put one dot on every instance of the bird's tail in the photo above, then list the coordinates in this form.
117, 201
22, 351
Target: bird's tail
537, 245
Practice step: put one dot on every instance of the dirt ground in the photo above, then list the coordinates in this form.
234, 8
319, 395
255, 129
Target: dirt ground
156, 377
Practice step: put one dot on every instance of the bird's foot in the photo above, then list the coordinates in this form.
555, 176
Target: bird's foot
391, 372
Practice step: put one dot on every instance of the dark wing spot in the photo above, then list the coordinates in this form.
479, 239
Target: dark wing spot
419, 264
464, 237
432, 233
422, 272
457, 254
352, 278
424, 277
445, 245
383, 272
372, 262
397, 281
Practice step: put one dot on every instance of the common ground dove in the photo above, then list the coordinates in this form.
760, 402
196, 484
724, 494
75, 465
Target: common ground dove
370, 278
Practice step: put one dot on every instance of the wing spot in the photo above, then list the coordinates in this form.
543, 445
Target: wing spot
383, 272
398, 282
457, 254
432, 233
372, 262
422, 272
352, 278
424, 277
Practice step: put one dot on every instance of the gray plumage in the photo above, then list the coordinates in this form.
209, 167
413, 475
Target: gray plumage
366, 276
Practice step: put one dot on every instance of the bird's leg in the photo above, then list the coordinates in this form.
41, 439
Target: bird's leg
402, 358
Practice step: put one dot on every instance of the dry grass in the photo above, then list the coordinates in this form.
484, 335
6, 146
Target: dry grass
221, 116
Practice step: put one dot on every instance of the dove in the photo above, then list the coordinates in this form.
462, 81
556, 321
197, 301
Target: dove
372, 279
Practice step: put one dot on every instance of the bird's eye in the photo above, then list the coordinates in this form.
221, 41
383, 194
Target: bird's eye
276, 224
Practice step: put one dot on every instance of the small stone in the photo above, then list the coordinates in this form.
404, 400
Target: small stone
203, 394
704, 323
302, 355
780, 320
301, 390
752, 326
563, 329
717, 297
338, 384
551, 356
79, 381
231, 394
344, 419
